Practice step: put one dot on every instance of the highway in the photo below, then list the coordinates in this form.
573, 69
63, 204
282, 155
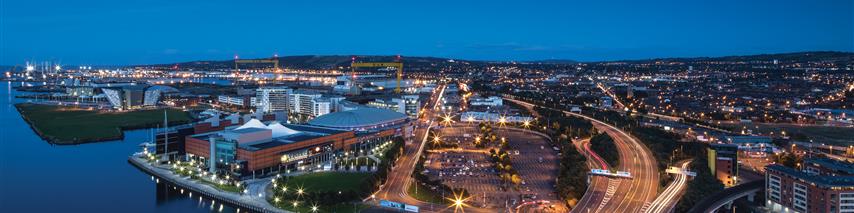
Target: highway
669, 197
626, 195
600, 189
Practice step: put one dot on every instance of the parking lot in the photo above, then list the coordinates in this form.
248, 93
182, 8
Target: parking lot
470, 168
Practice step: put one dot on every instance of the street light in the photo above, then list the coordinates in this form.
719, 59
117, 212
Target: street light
458, 202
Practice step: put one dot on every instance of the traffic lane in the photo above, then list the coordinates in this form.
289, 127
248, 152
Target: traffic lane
639, 190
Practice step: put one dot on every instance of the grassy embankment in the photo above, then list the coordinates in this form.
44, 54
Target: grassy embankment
69, 125
329, 191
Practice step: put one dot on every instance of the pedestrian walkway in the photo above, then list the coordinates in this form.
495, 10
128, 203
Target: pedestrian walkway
255, 200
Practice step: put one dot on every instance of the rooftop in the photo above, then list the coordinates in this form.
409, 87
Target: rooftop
358, 118
835, 165
821, 180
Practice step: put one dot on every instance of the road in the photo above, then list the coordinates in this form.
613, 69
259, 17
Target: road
395, 187
599, 189
670, 196
635, 194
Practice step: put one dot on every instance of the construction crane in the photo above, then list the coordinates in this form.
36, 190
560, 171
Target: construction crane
274, 61
397, 64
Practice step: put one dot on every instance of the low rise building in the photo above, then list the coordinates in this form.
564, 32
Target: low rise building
489, 101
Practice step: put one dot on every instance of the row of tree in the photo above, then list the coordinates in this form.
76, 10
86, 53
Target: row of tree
353, 195
572, 174
604, 146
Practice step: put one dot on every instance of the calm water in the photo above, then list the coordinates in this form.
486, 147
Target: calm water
38, 177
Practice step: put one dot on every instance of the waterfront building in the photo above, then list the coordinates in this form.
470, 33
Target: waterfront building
80, 91
257, 149
131, 97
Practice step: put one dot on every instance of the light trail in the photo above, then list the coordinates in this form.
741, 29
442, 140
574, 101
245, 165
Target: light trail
665, 201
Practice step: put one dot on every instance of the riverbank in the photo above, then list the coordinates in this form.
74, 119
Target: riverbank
68, 125
250, 202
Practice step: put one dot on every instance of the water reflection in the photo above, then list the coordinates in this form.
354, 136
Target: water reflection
36, 176
167, 195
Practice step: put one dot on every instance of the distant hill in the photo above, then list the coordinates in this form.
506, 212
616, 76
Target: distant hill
795, 57
316, 62
419, 63
553, 61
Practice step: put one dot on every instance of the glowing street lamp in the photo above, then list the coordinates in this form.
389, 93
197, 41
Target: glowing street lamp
458, 202
447, 120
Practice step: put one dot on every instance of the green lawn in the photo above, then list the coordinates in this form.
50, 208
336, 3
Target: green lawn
306, 207
67, 125
424, 194
330, 181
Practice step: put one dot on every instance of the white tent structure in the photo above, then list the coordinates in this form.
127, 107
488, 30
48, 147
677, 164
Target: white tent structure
254, 123
280, 130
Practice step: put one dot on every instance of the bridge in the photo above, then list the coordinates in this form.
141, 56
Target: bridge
602, 172
725, 197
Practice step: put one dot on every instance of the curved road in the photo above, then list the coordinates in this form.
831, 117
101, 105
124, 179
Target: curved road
669, 197
627, 195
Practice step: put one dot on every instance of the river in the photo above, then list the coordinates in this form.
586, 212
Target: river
36, 176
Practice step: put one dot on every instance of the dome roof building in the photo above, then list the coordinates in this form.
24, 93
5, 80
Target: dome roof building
361, 120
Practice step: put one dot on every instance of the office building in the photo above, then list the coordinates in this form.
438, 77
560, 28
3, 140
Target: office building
272, 99
407, 104
723, 162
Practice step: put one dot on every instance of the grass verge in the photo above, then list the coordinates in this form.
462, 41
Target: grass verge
69, 125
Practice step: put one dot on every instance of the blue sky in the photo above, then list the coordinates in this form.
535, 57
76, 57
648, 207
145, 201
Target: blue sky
138, 32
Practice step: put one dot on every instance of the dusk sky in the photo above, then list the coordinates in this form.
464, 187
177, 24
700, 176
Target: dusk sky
139, 32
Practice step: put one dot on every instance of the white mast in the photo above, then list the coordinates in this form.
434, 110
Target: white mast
165, 135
